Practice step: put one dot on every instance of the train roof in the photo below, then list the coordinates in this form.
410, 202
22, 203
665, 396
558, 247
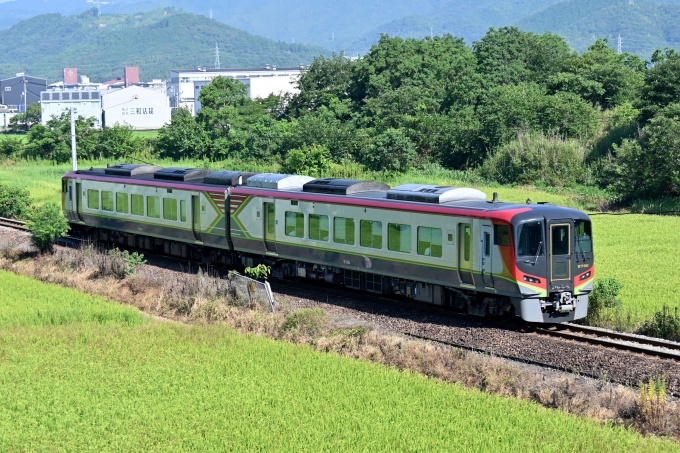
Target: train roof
412, 197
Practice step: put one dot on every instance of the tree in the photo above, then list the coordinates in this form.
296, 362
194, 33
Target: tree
15, 202
222, 92
46, 223
116, 142
24, 121
53, 140
391, 152
309, 160
183, 138
662, 83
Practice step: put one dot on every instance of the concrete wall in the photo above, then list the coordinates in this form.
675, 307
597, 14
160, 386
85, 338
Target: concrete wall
140, 108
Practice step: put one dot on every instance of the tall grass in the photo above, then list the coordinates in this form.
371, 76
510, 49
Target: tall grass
27, 302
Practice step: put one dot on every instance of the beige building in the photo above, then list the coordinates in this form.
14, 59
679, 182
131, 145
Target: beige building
141, 108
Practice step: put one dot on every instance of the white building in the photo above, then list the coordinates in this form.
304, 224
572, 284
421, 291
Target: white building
5, 115
140, 108
87, 103
185, 85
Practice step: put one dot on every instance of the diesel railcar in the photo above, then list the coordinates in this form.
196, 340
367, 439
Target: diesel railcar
442, 245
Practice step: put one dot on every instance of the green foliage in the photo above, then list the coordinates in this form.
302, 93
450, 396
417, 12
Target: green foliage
131, 260
662, 83
24, 121
664, 324
307, 321
15, 202
182, 138
536, 157
259, 272
222, 92
309, 160
391, 152
602, 298
46, 223
11, 147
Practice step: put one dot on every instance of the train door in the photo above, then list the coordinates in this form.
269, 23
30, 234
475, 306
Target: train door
269, 227
465, 254
559, 255
196, 217
79, 201
486, 255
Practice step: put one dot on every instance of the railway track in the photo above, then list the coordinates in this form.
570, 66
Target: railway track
12, 223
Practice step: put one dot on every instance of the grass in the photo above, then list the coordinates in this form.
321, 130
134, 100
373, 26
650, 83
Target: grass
26, 302
207, 388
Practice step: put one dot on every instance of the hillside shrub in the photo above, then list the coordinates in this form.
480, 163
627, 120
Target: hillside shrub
309, 160
14, 201
46, 223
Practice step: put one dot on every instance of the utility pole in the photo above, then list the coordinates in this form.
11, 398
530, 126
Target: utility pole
73, 141
210, 14
431, 34
25, 103
619, 46
217, 56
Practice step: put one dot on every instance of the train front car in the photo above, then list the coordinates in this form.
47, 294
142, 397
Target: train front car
553, 260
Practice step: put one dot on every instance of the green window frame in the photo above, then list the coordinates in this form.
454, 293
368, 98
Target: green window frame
107, 200
169, 209
343, 230
122, 202
92, 199
430, 242
399, 237
182, 210
295, 224
319, 227
370, 234
137, 204
153, 207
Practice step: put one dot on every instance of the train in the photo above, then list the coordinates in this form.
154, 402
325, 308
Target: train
442, 245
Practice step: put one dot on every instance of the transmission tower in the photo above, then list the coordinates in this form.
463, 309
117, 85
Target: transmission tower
619, 45
210, 15
217, 57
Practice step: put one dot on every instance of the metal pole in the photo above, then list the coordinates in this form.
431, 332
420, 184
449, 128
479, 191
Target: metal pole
25, 99
73, 141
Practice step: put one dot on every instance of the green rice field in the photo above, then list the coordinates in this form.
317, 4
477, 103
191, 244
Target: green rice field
638, 250
149, 386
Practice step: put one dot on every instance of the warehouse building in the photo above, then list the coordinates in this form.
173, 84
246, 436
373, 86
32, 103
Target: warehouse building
140, 108
87, 103
21, 91
185, 85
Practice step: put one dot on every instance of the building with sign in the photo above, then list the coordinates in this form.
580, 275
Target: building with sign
20, 91
185, 85
140, 108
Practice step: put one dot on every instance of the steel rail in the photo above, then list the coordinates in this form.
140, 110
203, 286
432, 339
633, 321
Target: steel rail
13, 223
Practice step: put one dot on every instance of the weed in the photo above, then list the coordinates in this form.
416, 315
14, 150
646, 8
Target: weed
664, 324
259, 272
308, 321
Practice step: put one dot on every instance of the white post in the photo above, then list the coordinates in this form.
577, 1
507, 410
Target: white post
73, 141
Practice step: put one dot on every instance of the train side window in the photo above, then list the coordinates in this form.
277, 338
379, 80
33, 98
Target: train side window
107, 200
430, 242
122, 202
501, 235
92, 199
153, 207
343, 230
137, 205
169, 209
399, 237
466, 233
319, 228
64, 185
295, 224
371, 234
183, 210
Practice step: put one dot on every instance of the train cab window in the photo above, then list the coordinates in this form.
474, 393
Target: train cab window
153, 207
92, 199
137, 205
107, 200
584, 236
501, 235
122, 202
530, 242
169, 209
182, 210
343, 230
399, 237
370, 234
319, 227
430, 242
295, 224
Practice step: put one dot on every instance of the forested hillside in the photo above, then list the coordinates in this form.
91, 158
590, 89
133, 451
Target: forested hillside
155, 41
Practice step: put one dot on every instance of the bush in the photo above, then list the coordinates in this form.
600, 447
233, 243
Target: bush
603, 296
308, 321
131, 260
664, 324
46, 223
391, 152
309, 160
534, 157
259, 272
11, 147
14, 202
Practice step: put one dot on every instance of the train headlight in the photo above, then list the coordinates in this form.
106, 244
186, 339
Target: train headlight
586, 275
532, 279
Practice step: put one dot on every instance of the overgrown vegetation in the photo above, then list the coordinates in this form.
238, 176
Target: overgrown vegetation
46, 224
15, 202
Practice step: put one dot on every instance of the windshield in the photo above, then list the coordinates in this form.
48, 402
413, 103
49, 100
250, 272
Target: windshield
584, 237
530, 238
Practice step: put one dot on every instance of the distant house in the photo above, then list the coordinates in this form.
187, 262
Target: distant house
18, 92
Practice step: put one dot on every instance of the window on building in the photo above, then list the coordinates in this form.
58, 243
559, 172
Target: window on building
153, 207
399, 237
371, 234
92, 199
295, 224
501, 235
107, 200
430, 242
343, 230
169, 209
183, 210
137, 205
122, 202
319, 227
